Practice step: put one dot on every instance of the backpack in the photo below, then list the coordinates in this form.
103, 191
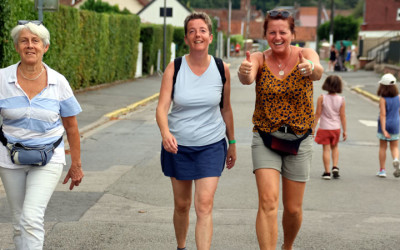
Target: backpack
221, 69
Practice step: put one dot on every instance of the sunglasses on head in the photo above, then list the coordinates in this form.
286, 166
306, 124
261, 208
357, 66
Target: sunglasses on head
275, 13
23, 22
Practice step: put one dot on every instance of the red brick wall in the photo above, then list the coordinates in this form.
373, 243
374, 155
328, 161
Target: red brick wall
381, 15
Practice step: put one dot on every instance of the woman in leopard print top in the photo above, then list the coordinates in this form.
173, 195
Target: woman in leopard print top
284, 76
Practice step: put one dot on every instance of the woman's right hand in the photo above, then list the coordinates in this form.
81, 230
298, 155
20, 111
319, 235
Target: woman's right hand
246, 66
386, 134
169, 143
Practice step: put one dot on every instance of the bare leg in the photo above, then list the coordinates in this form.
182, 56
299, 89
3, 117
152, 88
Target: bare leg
335, 155
394, 149
268, 203
326, 157
292, 197
382, 153
203, 202
182, 199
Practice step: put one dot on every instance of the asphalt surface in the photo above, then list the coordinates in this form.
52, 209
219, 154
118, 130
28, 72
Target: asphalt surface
126, 203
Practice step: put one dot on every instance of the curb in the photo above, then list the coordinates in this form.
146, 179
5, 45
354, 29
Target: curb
115, 114
109, 117
366, 94
129, 108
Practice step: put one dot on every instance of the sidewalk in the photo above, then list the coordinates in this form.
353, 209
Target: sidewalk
107, 102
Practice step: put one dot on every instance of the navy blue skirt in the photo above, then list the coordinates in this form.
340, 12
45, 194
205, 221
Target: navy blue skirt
191, 163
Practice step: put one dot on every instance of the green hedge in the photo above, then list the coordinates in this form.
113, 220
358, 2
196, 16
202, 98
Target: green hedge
10, 12
213, 46
88, 48
179, 40
151, 35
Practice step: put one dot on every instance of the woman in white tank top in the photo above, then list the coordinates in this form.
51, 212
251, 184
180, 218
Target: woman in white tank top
193, 134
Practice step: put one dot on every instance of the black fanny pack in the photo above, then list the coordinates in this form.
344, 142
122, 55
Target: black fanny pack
25, 155
282, 146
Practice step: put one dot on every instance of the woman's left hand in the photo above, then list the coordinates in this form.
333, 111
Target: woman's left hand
231, 156
304, 66
75, 173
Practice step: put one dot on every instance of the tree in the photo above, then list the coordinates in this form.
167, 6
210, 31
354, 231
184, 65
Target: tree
359, 9
99, 6
345, 28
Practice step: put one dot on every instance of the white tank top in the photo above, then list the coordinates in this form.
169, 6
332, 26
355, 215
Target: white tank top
195, 118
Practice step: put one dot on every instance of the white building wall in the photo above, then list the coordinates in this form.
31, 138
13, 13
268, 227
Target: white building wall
151, 14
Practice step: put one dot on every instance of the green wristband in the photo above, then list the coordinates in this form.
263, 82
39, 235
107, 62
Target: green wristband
232, 141
312, 65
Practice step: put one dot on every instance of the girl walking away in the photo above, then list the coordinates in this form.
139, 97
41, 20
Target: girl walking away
388, 122
331, 110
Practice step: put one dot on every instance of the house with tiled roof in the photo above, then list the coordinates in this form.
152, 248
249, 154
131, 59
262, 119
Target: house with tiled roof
70, 2
133, 6
239, 20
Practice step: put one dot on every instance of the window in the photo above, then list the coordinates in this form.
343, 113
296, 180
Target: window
168, 14
398, 15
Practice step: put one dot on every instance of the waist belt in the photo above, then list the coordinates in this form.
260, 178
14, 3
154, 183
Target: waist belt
3, 139
286, 129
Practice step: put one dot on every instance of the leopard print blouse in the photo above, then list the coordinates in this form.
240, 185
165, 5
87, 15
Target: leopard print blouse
288, 101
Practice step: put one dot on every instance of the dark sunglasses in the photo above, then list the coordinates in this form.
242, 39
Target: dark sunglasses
23, 22
275, 13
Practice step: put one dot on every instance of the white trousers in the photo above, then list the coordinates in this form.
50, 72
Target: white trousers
28, 192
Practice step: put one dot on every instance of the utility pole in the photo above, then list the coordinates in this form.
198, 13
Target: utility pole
40, 10
318, 23
228, 40
247, 25
332, 17
165, 36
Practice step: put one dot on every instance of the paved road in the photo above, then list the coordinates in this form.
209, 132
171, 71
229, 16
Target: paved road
126, 203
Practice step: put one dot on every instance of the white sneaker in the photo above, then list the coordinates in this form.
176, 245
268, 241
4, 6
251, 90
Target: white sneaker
382, 173
396, 164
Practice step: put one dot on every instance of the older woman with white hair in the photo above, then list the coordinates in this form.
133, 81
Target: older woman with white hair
37, 106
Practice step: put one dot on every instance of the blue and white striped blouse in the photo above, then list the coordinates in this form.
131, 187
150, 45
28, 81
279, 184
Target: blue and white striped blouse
37, 121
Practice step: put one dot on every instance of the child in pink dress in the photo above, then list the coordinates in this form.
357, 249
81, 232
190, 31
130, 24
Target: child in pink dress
331, 111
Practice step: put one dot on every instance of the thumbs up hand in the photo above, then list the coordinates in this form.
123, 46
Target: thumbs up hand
305, 66
246, 66
248, 56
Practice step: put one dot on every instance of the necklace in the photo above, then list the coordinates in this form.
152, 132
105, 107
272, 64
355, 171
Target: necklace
281, 71
31, 79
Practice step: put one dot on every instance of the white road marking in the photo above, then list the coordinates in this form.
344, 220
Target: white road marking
369, 123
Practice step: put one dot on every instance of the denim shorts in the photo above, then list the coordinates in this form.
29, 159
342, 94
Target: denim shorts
293, 167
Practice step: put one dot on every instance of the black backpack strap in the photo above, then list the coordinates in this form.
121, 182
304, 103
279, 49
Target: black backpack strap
221, 69
3, 139
177, 66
